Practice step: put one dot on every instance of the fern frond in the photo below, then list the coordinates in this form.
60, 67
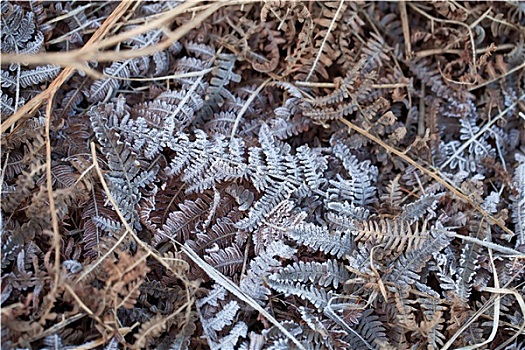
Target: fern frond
433, 311
228, 260
103, 88
331, 113
359, 188
344, 214
391, 235
222, 75
407, 267
19, 33
369, 333
254, 282
179, 223
222, 318
239, 330
38, 75
312, 320
151, 329
314, 165
183, 338
375, 53
323, 274
320, 239
6, 105
265, 205
393, 197
426, 204
317, 296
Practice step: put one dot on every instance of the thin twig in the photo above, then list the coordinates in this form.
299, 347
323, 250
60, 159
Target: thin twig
515, 69
325, 39
421, 117
406, 29
332, 85
245, 106
509, 252
86, 308
441, 51
49, 183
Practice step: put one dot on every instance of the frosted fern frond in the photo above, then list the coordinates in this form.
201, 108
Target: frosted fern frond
369, 333
38, 75
433, 311
275, 338
323, 274
6, 105
317, 296
320, 239
216, 293
222, 318
107, 224
222, 75
254, 282
19, 32
490, 203
121, 70
426, 204
343, 216
359, 189
314, 165
228, 260
222, 234
407, 267
101, 88
467, 269
268, 161
201, 51
126, 178
264, 206
218, 319
392, 198
157, 120
359, 261
312, 320
205, 162
29, 77
244, 197
228, 342
181, 223
275, 171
